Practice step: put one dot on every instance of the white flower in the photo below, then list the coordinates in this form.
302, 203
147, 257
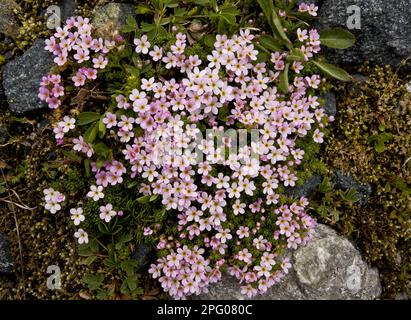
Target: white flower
77, 215
52, 206
67, 124
238, 207
82, 236
142, 45
96, 193
107, 212
224, 235
49, 194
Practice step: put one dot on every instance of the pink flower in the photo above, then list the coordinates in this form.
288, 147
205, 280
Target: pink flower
107, 212
81, 55
79, 79
243, 232
53, 102
249, 291
126, 123
318, 136
156, 53
122, 102
110, 120
100, 62
148, 231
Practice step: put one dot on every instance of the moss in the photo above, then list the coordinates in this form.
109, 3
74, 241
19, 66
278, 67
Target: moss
382, 227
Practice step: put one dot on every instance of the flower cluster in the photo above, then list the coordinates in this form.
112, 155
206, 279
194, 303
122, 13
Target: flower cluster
63, 127
226, 197
74, 44
111, 173
169, 111
311, 9
51, 90
53, 199
185, 271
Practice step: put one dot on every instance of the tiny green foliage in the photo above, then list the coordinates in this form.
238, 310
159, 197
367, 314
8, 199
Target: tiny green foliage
371, 141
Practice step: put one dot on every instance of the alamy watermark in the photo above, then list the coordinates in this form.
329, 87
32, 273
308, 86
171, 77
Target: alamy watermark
53, 17
354, 19
54, 281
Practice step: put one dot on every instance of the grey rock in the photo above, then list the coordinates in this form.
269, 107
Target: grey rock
6, 259
330, 106
8, 23
383, 38
142, 255
67, 9
345, 181
112, 16
308, 188
21, 78
329, 267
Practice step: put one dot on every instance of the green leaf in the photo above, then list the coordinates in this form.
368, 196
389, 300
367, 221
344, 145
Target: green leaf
91, 133
402, 185
171, 3
105, 294
223, 113
133, 71
379, 140
101, 150
379, 146
209, 40
262, 57
103, 228
295, 55
129, 266
270, 43
267, 7
284, 81
143, 9
89, 260
144, 199
333, 71
126, 29
131, 22
149, 29
93, 281
325, 185
131, 283
202, 2
87, 117
87, 167
123, 239
280, 29
88, 249
72, 156
229, 14
101, 128
349, 195
337, 38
